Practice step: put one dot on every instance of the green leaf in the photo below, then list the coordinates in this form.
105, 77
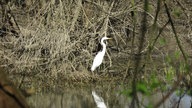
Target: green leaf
168, 59
162, 41
170, 73
141, 87
127, 92
149, 105
177, 12
154, 82
177, 54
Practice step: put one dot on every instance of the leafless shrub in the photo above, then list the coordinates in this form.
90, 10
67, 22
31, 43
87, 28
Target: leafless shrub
60, 37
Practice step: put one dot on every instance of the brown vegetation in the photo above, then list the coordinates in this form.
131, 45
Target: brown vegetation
52, 40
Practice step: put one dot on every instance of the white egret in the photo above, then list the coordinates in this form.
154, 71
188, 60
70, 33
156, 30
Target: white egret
98, 100
99, 57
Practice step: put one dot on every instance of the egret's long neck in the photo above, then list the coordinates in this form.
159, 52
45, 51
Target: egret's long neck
104, 46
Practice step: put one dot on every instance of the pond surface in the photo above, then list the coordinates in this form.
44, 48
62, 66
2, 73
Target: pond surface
102, 97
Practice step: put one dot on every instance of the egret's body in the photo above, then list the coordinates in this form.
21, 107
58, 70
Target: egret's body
98, 100
99, 57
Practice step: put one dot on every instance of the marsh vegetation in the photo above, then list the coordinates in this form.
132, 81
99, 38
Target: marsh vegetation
50, 44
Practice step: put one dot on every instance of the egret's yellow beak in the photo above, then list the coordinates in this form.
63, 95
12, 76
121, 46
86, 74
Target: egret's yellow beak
109, 38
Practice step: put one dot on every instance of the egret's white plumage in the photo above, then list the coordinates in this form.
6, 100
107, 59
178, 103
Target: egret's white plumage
98, 100
99, 57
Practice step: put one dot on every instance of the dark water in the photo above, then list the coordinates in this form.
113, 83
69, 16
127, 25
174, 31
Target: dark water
89, 97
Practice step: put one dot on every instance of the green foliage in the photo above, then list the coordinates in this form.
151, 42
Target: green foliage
177, 54
180, 92
133, 3
187, 67
142, 87
126, 92
177, 12
149, 106
170, 72
154, 82
162, 41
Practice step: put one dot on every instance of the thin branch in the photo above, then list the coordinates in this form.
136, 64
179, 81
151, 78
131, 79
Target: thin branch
174, 31
160, 31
